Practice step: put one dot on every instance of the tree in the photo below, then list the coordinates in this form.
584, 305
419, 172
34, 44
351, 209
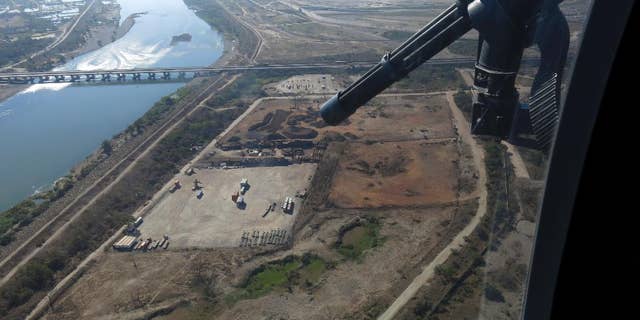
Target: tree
493, 294
106, 147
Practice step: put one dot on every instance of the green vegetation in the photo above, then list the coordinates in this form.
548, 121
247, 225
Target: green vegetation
15, 36
356, 239
492, 293
22, 214
106, 147
158, 110
251, 85
19, 48
280, 275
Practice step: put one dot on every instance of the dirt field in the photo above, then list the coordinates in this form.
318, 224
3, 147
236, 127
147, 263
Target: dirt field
360, 32
386, 118
214, 220
347, 289
395, 174
133, 286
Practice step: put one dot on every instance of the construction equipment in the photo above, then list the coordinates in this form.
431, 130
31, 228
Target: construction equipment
267, 211
175, 186
240, 203
196, 185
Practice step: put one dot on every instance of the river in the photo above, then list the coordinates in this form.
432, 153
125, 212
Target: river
48, 128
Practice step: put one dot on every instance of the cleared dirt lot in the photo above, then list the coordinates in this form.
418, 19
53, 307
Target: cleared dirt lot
134, 286
395, 174
214, 220
386, 118
306, 84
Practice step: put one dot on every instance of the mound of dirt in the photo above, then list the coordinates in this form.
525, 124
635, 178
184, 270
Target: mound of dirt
300, 133
271, 122
274, 136
296, 119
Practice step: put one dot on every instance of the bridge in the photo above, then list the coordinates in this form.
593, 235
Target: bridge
149, 75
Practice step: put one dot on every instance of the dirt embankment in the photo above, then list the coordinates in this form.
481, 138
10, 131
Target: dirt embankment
97, 36
9, 90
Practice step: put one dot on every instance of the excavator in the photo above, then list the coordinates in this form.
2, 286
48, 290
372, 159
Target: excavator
506, 28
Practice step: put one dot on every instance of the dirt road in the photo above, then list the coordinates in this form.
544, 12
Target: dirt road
519, 168
457, 242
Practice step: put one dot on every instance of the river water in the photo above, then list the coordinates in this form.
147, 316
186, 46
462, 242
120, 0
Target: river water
48, 128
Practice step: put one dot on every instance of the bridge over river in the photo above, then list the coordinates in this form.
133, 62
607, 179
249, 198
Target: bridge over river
148, 75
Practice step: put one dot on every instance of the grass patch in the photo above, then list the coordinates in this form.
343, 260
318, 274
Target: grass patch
357, 238
285, 274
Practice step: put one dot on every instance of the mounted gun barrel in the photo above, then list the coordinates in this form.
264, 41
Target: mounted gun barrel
422, 46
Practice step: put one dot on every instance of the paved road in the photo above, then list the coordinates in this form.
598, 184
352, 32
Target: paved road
429, 270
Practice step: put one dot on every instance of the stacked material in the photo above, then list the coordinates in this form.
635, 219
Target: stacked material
287, 206
126, 243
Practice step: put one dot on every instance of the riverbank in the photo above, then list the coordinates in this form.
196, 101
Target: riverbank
98, 37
